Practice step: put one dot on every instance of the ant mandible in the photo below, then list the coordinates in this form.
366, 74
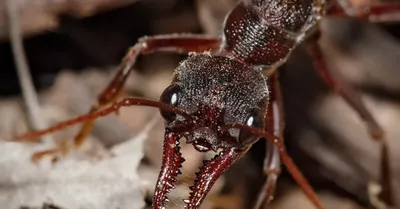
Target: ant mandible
219, 98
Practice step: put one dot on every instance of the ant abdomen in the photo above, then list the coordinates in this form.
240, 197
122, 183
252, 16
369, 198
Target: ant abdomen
264, 32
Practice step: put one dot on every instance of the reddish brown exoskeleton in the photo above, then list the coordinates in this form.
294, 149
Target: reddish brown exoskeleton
219, 99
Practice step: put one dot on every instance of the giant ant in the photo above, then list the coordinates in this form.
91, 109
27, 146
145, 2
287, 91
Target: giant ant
219, 98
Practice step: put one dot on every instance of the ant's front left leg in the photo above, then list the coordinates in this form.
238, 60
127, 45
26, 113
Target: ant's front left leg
338, 83
177, 43
381, 12
275, 125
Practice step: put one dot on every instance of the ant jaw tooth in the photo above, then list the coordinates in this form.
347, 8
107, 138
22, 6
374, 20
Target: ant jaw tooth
170, 185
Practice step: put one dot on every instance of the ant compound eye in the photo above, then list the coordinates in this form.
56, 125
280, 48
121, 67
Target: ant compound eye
253, 120
170, 96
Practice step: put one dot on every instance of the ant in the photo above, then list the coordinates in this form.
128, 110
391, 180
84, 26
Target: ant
220, 98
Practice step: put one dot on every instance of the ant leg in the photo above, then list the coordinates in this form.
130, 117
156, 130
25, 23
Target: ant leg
275, 124
335, 80
383, 12
178, 43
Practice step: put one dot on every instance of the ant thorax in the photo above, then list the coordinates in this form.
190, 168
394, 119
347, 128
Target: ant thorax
265, 32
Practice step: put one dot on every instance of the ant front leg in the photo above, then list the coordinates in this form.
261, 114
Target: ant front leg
177, 43
275, 124
337, 82
381, 12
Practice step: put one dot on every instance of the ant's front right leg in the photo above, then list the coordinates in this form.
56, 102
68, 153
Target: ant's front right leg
338, 83
275, 125
177, 43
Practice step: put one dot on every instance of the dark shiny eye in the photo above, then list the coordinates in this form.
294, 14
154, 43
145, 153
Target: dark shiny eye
170, 96
253, 119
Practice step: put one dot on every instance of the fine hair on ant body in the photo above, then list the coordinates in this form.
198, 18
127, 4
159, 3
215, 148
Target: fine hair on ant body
219, 98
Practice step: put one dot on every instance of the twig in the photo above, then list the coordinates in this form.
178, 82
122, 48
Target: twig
28, 90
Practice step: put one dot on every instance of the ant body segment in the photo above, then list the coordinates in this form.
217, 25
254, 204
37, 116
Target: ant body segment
219, 98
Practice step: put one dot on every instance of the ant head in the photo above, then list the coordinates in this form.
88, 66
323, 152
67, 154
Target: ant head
215, 91
220, 101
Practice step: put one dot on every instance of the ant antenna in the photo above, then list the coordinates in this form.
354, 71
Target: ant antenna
33, 136
286, 159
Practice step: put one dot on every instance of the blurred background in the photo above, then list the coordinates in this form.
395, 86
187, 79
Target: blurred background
72, 49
